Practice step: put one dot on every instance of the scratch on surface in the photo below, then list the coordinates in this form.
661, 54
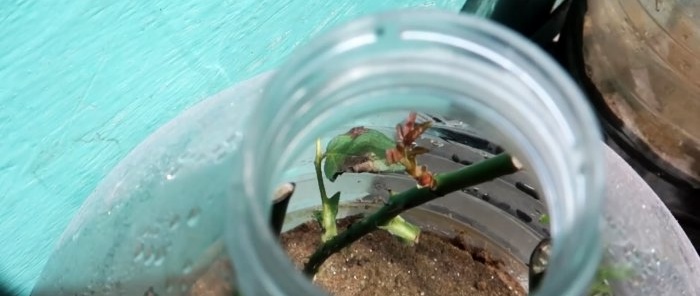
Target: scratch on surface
98, 137
221, 71
274, 14
90, 85
43, 159
39, 180
6, 169
81, 99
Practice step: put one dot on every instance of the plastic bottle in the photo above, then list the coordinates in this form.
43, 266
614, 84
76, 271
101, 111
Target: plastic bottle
160, 216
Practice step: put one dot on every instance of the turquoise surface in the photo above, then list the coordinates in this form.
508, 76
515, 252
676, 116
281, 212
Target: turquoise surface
83, 82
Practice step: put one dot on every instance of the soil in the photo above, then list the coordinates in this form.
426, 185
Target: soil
379, 264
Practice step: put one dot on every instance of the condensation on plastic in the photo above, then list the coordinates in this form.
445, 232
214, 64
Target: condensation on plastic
156, 221
641, 235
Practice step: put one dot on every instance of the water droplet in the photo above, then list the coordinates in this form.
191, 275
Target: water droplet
437, 143
169, 176
193, 217
174, 222
221, 156
159, 258
210, 198
185, 157
151, 232
138, 253
187, 268
150, 257
234, 138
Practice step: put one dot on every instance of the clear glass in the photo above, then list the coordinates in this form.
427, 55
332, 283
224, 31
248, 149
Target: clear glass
471, 71
642, 55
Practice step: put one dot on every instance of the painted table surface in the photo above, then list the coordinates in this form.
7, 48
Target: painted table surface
83, 82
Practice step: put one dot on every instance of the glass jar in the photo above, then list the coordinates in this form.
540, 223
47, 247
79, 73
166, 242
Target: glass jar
478, 76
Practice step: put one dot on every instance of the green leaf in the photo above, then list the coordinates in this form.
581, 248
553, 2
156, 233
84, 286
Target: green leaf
359, 150
605, 275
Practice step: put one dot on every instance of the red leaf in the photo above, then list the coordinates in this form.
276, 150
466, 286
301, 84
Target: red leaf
405, 151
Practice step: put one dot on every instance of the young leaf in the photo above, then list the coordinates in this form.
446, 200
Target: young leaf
405, 150
359, 150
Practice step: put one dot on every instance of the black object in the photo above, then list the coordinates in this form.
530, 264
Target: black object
279, 209
534, 19
6, 291
524, 16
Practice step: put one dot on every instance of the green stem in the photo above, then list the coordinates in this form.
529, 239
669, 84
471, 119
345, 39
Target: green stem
399, 227
329, 206
478, 173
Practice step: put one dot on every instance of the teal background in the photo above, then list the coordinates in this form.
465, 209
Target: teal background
83, 82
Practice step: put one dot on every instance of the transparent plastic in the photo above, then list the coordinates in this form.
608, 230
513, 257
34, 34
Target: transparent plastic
156, 221
642, 237
466, 69
196, 191
155, 224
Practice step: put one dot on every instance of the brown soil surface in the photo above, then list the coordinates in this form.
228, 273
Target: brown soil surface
379, 264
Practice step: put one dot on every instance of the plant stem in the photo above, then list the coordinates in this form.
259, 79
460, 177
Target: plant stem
329, 206
502, 164
399, 227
